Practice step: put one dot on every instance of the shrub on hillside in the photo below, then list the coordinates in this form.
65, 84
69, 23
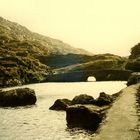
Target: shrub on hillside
135, 51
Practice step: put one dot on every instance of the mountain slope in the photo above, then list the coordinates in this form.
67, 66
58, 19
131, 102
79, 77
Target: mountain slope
13, 33
20, 50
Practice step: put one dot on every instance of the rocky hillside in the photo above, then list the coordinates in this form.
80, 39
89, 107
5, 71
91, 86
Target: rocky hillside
21, 51
19, 36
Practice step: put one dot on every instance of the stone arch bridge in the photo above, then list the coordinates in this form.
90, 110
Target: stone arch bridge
100, 75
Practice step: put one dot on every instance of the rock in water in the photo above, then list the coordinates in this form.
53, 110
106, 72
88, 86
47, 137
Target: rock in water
17, 97
83, 99
85, 116
104, 99
60, 104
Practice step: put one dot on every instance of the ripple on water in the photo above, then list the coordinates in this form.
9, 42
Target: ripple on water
38, 122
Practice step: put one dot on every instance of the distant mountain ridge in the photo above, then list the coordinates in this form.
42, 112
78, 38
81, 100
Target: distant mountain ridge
13, 32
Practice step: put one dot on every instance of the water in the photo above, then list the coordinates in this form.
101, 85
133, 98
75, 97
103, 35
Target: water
37, 122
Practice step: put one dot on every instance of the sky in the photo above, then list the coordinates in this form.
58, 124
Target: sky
100, 26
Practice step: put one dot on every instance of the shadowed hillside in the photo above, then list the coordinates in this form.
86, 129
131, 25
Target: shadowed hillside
96, 62
59, 61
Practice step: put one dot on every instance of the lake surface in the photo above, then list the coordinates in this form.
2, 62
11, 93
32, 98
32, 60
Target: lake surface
37, 122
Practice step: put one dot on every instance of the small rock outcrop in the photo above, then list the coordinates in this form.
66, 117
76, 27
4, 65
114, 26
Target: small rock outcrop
104, 99
85, 116
60, 104
134, 78
17, 97
83, 111
83, 99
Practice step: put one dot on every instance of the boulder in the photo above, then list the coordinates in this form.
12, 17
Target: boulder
104, 99
85, 116
134, 78
60, 104
17, 97
83, 99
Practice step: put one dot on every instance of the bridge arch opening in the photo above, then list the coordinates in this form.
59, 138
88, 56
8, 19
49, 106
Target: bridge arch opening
91, 79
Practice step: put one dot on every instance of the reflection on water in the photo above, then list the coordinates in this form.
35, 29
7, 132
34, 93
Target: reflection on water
39, 123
